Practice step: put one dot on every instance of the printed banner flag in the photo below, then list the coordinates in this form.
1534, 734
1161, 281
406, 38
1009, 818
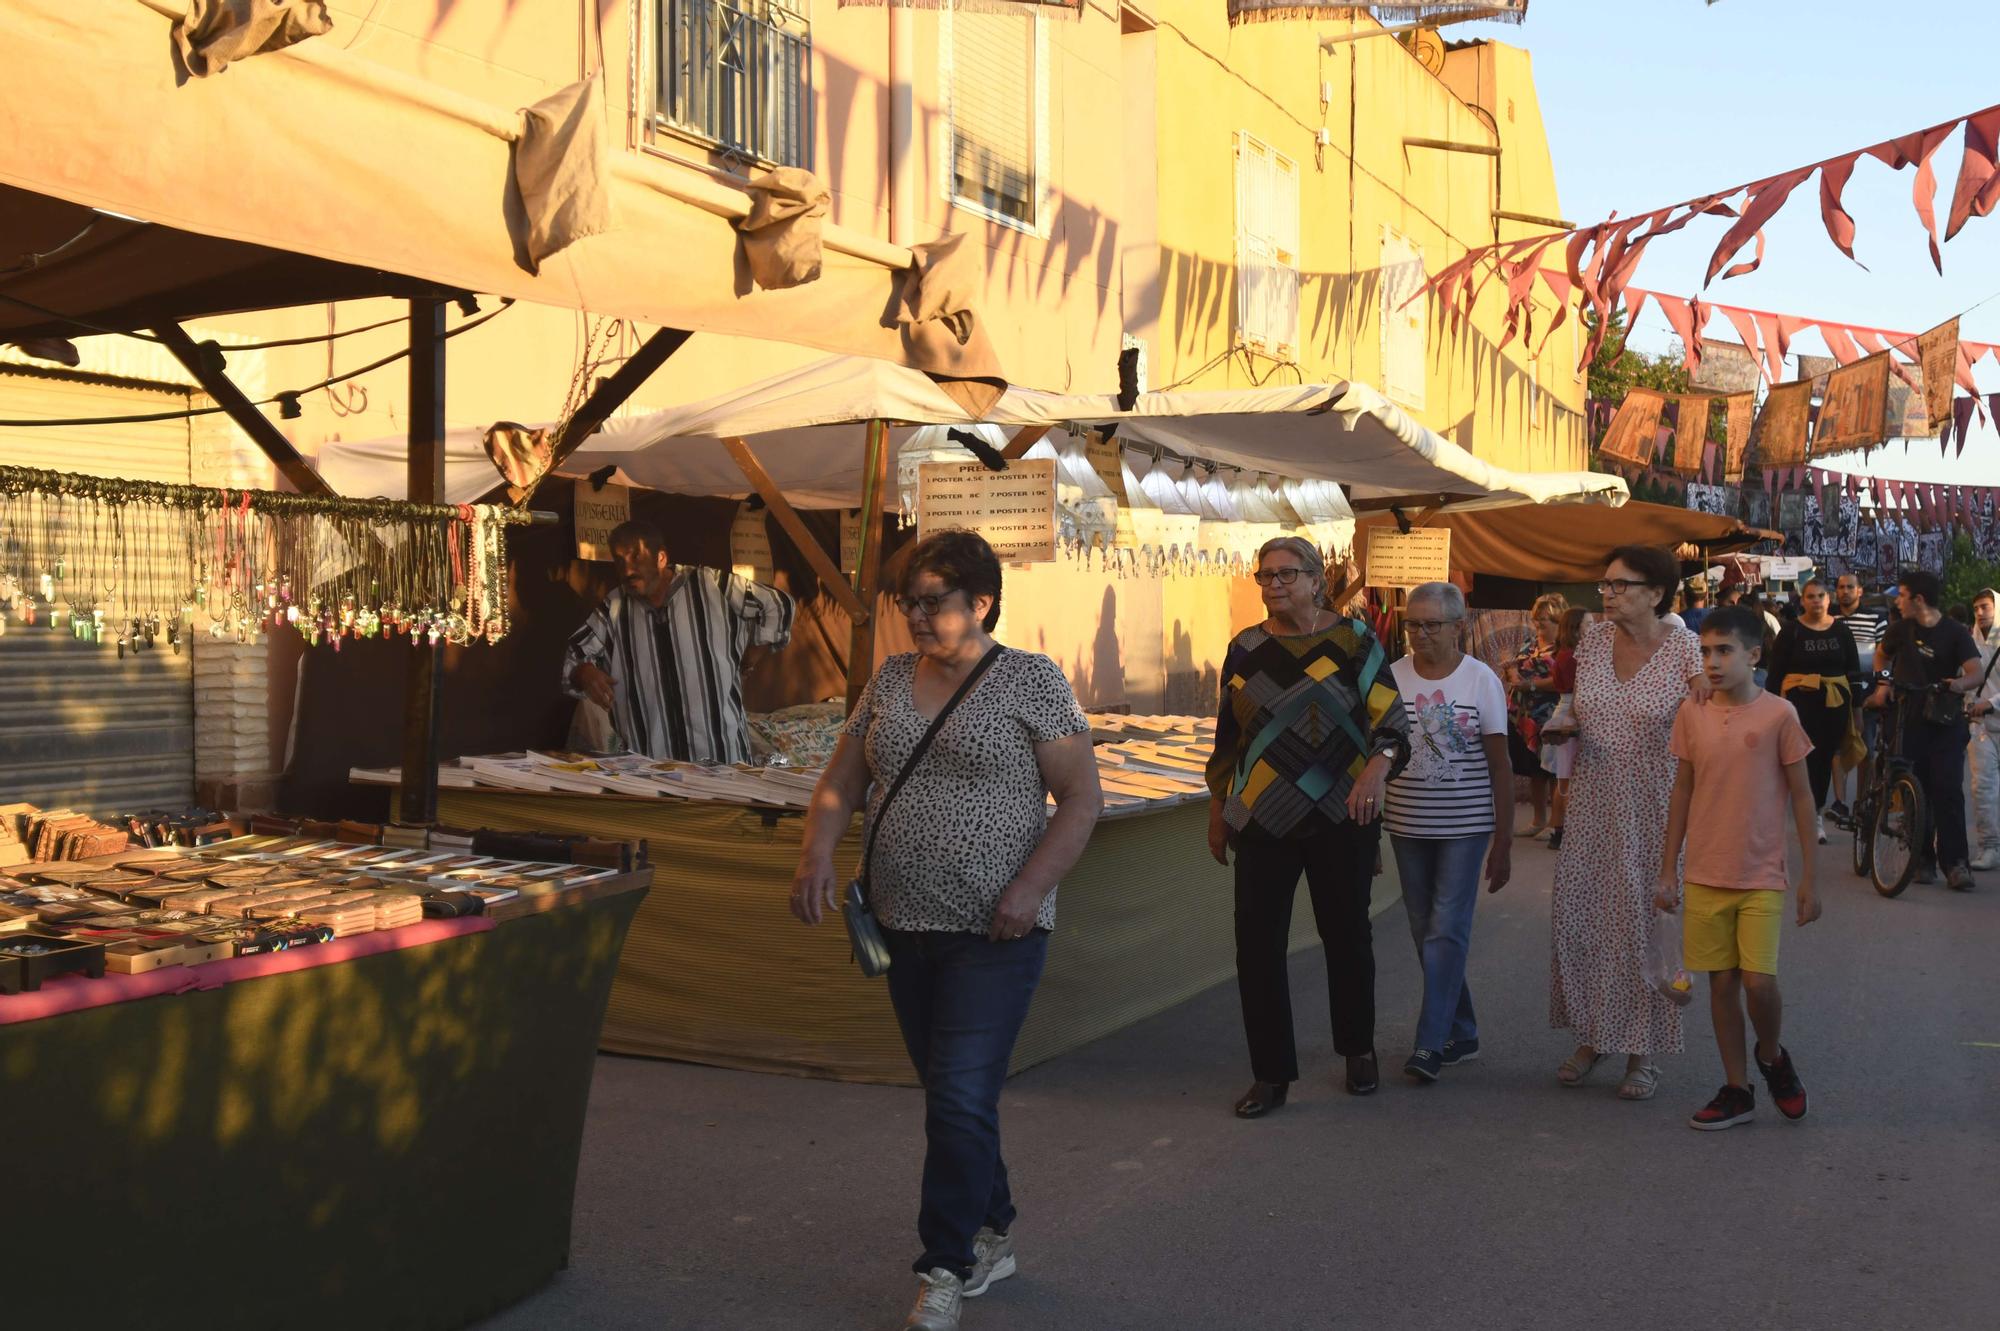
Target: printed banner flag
1937, 354
1742, 410
1854, 412
1630, 438
1690, 433
1780, 432
1726, 367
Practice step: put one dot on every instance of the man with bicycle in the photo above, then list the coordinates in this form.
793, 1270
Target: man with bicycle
1867, 625
1935, 655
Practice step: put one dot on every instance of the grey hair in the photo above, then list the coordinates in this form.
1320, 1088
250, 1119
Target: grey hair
1308, 553
1449, 598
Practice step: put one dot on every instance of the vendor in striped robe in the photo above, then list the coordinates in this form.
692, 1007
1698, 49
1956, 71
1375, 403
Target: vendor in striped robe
665, 653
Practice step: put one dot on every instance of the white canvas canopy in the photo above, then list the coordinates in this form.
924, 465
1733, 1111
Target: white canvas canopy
806, 427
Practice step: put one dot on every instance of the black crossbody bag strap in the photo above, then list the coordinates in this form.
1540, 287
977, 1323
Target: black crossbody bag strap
917, 755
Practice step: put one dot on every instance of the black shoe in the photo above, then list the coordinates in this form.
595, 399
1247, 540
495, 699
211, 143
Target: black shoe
1261, 1098
1556, 839
1460, 1051
1732, 1105
1781, 1079
1423, 1065
1363, 1077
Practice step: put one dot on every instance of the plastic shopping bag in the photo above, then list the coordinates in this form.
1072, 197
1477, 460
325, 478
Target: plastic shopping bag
1664, 970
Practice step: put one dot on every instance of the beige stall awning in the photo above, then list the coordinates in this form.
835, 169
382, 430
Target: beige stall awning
130, 195
805, 428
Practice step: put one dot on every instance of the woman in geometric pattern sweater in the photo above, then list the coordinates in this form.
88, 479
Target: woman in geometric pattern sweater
1309, 731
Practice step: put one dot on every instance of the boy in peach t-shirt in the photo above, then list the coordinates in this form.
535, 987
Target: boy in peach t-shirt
1742, 760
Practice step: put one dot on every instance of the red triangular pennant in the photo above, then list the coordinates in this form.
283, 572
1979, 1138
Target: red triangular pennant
1978, 188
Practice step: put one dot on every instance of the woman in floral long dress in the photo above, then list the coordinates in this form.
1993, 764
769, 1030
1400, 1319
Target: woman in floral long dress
1633, 671
1531, 697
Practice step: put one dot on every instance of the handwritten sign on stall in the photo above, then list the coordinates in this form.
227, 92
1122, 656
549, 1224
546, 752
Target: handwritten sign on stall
750, 546
1015, 509
1408, 559
598, 513
1105, 460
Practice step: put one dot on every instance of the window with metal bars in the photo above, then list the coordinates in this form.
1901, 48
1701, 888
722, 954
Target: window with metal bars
739, 74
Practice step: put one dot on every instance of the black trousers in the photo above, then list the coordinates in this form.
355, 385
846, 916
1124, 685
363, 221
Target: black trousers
1338, 861
1937, 755
1826, 727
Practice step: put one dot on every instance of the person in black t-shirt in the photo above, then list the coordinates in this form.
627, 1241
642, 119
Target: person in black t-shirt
1812, 668
1925, 647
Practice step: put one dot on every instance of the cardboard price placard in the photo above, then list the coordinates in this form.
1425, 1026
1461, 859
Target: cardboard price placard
1015, 509
1104, 460
1399, 559
750, 546
598, 513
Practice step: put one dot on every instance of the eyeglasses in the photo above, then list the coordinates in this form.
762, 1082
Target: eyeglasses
1283, 577
930, 605
1617, 586
1428, 626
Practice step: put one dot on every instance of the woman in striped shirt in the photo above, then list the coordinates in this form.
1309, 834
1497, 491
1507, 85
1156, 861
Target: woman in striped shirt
1444, 810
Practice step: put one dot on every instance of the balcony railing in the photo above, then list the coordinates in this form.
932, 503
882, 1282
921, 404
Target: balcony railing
739, 73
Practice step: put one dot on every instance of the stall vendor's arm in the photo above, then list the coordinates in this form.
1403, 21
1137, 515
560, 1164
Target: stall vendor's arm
586, 670
841, 790
1069, 770
763, 616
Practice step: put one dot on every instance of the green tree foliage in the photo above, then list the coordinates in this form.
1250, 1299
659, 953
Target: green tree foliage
1615, 370
1965, 572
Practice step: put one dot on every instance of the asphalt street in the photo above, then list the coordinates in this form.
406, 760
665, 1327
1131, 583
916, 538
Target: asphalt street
1495, 1198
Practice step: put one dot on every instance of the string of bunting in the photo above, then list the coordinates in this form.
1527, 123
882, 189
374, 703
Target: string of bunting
1602, 258
136, 563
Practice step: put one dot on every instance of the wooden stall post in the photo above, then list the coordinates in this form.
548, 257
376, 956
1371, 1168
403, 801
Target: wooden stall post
417, 798
874, 484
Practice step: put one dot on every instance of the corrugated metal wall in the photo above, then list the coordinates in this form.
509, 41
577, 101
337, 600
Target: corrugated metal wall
80, 728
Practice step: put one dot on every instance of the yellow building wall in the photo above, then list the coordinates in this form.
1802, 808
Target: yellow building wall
1267, 79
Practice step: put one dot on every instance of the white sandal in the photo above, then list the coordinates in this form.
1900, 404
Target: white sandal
1640, 1083
1573, 1070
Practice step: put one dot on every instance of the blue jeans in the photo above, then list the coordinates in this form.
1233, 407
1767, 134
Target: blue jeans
960, 999
1440, 887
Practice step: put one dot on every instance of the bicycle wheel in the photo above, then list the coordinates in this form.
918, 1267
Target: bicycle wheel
1902, 827
1862, 828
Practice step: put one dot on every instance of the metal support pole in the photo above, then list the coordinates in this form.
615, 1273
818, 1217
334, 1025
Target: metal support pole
417, 797
867, 577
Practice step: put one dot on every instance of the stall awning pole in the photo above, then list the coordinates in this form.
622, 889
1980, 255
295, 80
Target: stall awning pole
823, 564
204, 362
874, 484
417, 798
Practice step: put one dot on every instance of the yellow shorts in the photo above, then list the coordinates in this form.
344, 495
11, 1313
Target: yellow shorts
1726, 929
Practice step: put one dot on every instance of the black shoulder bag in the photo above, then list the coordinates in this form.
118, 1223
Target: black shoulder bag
864, 932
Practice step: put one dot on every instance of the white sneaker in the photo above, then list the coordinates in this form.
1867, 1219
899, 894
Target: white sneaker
940, 1300
1986, 860
993, 1259
1819, 825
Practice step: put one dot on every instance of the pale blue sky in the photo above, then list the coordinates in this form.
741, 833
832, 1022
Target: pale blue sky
1649, 102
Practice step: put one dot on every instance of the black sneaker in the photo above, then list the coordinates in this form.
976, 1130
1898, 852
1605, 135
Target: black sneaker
1556, 839
1788, 1093
1459, 1051
1841, 815
1423, 1065
1731, 1105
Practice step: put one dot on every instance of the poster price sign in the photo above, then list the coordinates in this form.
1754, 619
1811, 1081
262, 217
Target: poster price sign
1408, 559
1015, 509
